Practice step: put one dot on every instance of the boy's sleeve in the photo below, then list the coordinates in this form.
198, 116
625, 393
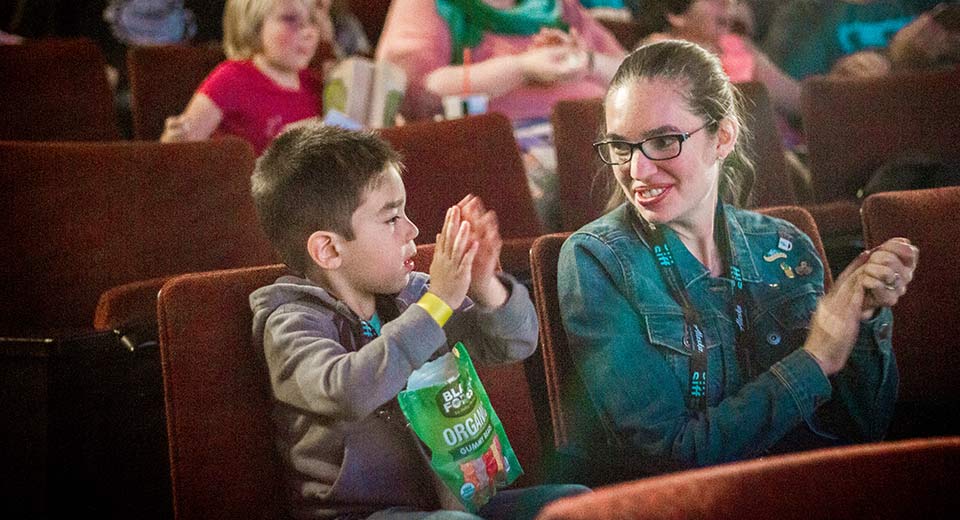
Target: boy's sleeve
502, 335
311, 371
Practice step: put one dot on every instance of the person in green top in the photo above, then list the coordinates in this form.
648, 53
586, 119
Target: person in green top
808, 37
700, 332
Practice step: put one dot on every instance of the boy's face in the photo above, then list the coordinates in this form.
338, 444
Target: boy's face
380, 257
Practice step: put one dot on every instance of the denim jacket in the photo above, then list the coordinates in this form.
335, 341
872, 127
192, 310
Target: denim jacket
625, 334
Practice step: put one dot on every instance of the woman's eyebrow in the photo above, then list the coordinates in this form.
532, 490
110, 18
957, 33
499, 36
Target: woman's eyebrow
660, 130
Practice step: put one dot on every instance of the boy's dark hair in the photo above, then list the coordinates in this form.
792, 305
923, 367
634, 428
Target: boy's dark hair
312, 178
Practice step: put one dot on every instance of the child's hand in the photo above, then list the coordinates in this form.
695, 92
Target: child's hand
552, 64
175, 130
549, 36
453, 256
485, 288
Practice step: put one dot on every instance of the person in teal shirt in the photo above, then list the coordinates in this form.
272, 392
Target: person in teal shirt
808, 37
700, 332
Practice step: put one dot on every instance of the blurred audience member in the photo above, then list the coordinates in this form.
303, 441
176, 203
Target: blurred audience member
819, 36
523, 55
150, 22
707, 23
931, 40
615, 10
265, 83
349, 36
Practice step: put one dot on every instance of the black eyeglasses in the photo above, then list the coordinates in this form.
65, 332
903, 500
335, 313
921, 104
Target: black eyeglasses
657, 148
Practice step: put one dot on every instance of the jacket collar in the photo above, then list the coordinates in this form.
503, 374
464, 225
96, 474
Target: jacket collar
742, 249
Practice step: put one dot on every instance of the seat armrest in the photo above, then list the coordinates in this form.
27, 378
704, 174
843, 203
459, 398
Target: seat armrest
128, 305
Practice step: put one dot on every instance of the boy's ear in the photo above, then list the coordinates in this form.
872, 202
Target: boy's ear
322, 248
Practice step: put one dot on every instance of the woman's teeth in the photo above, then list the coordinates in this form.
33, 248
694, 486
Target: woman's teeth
654, 192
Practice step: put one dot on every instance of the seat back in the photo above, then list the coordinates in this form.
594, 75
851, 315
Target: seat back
773, 186
627, 32
80, 218
582, 178
223, 462
447, 160
513, 396
56, 90
907, 479
926, 331
562, 382
584, 183
154, 94
855, 126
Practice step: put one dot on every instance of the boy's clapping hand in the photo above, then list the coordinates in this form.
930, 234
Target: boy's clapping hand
485, 288
453, 257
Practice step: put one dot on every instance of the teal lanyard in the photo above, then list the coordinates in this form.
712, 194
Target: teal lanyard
693, 336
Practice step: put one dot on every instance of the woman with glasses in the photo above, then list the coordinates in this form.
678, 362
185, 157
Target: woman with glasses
700, 331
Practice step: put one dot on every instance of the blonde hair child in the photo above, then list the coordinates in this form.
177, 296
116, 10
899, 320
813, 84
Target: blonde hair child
266, 83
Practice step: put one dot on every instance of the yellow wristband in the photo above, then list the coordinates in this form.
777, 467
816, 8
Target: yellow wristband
435, 307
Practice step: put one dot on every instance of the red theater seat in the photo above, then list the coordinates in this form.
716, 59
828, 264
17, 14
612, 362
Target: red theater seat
81, 218
907, 479
926, 332
223, 462
447, 160
56, 90
853, 126
162, 81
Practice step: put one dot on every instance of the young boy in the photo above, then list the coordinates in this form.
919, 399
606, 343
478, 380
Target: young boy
343, 335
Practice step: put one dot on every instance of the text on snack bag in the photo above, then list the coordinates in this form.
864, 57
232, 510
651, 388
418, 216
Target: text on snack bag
470, 427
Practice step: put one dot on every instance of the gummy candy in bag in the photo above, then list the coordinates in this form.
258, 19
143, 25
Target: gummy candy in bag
449, 410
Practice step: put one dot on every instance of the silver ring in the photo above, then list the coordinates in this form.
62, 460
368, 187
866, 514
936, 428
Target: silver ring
892, 286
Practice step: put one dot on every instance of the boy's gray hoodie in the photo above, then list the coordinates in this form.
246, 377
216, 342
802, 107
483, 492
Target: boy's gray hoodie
344, 443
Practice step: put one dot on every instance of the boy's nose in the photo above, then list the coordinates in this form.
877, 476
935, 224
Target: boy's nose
414, 230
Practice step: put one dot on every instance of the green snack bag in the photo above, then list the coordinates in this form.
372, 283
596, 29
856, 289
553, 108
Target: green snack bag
449, 410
